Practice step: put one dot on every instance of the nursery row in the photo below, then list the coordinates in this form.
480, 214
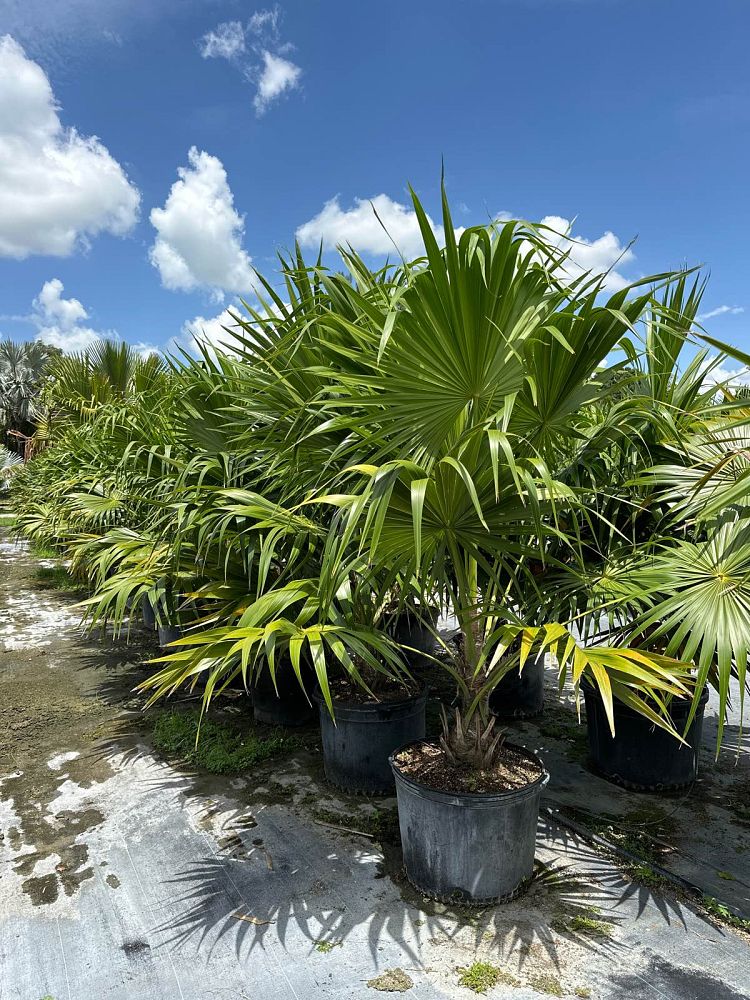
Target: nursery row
484, 435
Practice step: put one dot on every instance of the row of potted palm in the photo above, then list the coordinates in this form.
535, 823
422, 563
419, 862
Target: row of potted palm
478, 434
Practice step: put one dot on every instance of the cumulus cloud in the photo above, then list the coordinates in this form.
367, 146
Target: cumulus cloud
721, 311
57, 188
727, 376
226, 41
277, 76
266, 65
597, 256
199, 231
59, 320
210, 332
373, 226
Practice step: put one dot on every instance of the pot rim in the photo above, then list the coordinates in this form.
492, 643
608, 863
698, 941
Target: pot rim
470, 798
357, 707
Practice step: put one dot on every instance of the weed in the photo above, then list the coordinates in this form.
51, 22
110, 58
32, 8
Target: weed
482, 976
543, 982
646, 875
583, 992
725, 915
222, 748
324, 947
727, 876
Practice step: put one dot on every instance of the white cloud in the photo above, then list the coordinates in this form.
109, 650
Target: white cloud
360, 227
721, 311
596, 256
265, 22
226, 41
277, 76
57, 188
733, 376
199, 231
59, 320
267, 66
210, 331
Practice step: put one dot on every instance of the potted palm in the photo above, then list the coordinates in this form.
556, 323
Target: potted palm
662, 565
474, 377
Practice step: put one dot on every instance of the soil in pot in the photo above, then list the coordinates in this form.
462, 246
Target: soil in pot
640, 755
467, 836
520, 696
358, 741
289, 705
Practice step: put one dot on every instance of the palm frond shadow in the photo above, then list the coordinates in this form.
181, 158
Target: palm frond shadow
621, 894
239, 894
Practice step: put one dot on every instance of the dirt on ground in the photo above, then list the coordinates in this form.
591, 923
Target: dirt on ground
60, 693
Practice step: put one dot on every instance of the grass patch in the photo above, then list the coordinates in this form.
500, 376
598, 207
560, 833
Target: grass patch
482, 976
543, 982
43, 551
223, 747
7, 520
583, 992
56, 578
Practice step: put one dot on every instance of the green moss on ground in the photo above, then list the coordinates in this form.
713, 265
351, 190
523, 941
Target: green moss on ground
223, 747
543, 982
482, 976
587, 923
324, 947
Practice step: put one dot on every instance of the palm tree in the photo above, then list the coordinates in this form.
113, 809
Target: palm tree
428, 415
23, 368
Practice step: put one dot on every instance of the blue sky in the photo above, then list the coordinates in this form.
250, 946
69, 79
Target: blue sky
630, 116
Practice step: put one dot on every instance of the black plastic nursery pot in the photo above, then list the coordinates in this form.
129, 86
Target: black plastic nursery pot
289, 707
147, 614
641, 756
168, 633
468, 848
520, 696
417, 635
358, 742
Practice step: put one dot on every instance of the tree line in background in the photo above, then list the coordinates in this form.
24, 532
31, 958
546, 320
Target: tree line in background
479, 432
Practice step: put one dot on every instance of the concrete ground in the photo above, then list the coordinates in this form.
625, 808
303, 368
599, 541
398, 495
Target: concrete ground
126, 877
